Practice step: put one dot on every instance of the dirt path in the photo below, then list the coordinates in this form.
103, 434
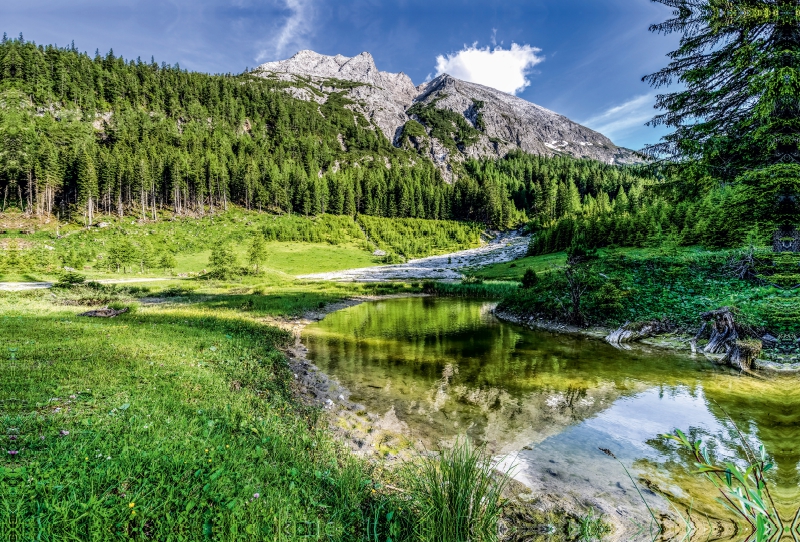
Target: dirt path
504, 248
20, 286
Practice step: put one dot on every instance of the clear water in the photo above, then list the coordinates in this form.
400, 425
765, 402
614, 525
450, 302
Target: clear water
449, 367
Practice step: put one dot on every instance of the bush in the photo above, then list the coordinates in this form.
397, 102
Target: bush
392, 258
70, 279
529, 279
223, 263
471, 279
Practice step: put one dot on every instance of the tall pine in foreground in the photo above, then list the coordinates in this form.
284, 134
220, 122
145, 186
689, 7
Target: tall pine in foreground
737, 119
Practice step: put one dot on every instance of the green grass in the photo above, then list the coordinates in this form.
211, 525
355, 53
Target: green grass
480, 290
291, 258
168, 423
646, 284
458, 494
295, 244
514, 270
178, 422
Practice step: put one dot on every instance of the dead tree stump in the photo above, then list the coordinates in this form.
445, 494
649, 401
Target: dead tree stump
725, 338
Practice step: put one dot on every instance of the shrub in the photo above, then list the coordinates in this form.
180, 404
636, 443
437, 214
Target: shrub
529, 279
223, 263
70, 279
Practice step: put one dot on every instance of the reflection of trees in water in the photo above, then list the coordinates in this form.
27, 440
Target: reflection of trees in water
571, 398
767, 412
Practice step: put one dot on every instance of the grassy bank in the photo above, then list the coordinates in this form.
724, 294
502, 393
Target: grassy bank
295, 245
179, 421
162, 424
623, 285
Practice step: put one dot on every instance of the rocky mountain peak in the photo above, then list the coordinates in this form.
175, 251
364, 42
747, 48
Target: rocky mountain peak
505, 122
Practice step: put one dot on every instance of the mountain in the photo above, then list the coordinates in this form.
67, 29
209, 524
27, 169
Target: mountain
381, 97
459, 119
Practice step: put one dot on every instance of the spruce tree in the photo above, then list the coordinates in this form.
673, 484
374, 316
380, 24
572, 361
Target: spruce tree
87, 184
738, 118
257, 252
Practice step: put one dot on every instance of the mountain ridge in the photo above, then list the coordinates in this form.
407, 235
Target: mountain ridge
499, 122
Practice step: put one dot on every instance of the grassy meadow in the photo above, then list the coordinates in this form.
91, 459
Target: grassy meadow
295, 245
168, 423
179, 419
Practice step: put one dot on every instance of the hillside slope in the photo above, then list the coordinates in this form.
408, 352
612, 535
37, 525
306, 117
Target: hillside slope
460, 120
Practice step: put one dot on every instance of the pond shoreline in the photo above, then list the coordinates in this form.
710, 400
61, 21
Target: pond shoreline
669, 341
386, 441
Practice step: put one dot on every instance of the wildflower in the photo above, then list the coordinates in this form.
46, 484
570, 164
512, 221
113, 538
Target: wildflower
133, 512
73, 396
256, 495
63, 433
131, 505
86, 458
13, 452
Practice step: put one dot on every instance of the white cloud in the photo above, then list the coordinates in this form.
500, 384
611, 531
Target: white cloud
294, 33
621, 120
503, 69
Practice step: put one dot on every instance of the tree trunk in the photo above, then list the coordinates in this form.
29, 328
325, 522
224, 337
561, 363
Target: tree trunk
725, 337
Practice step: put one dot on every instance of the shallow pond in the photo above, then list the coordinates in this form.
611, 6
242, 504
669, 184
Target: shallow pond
548, 402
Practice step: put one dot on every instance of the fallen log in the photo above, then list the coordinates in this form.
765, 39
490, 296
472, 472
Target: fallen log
636, 331
104, 313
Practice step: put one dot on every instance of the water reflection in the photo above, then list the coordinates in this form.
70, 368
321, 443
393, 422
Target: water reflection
447, 367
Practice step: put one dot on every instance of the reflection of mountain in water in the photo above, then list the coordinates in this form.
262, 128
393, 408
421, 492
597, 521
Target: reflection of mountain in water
447, 367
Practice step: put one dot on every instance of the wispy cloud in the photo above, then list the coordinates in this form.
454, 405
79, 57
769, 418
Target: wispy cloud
503, 69
294, 33
621, 121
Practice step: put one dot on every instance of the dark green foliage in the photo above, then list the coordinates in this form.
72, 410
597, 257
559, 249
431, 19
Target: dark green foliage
737, 119
739, 65
644, 285
529, 279
70, 279
87, 136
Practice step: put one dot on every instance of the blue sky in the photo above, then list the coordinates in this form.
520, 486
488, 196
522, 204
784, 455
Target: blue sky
581, 58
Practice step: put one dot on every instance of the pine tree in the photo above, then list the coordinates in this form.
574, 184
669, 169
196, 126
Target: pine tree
257, 252
738, 118
87, 184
